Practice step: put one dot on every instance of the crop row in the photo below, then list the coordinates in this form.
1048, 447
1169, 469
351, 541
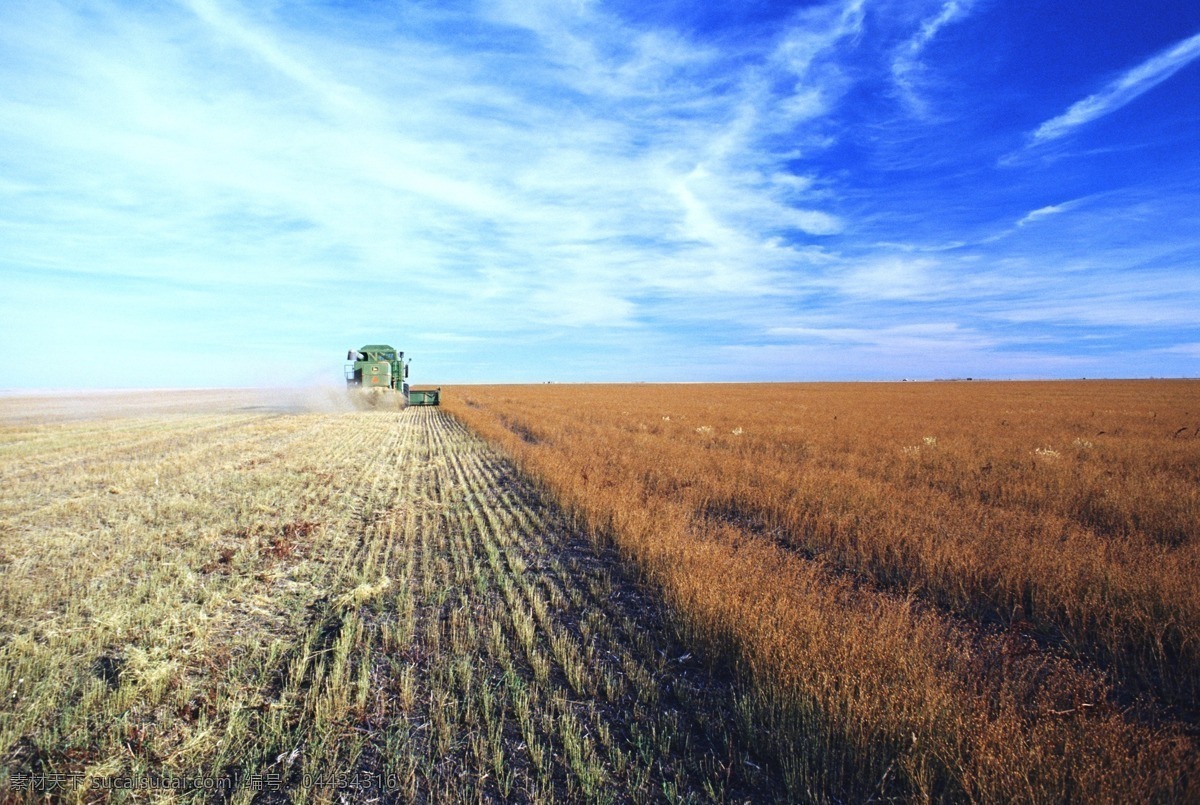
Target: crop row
319, 607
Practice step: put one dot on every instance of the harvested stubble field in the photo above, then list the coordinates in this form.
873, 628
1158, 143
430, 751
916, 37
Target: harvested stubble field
221, 597
964, 591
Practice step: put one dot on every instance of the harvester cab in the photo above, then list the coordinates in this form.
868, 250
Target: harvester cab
379, 368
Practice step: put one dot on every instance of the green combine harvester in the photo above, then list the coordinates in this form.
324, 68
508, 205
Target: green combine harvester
381, 369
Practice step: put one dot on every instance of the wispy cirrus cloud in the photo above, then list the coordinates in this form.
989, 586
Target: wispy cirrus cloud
914, 337
1121, 90
584, 185
907, 69
1042, 213
545, 182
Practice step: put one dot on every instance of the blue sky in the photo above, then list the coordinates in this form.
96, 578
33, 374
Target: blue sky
213, 193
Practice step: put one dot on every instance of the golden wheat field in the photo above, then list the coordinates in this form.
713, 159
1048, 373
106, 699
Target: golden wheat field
963, 591
826, 592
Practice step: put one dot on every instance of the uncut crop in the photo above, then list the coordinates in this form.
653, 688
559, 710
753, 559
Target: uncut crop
329, 607
964, 591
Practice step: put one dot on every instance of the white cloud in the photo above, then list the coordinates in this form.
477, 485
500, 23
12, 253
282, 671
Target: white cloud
921, 336
808, 52
896, 356
1191, 350
1121, 90
895, 278
908, 71
582, 303
1046, 212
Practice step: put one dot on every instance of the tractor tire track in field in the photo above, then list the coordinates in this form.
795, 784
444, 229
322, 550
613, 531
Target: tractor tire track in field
472, 646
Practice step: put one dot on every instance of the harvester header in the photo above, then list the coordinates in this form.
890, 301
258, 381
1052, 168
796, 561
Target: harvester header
380, 369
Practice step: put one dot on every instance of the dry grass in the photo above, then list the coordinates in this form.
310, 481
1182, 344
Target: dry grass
327, 606
966, 591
